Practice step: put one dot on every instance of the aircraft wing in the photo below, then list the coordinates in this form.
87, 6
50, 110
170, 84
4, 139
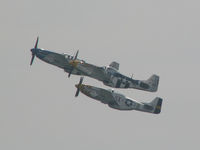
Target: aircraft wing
93, 71
106, 97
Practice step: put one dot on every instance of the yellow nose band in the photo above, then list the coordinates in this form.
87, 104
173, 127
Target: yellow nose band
74, 63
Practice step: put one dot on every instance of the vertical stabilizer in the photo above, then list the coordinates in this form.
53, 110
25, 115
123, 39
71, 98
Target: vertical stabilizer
156, 104
153, 82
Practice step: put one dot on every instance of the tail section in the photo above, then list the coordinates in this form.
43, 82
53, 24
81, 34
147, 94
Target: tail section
153, 82
156, 104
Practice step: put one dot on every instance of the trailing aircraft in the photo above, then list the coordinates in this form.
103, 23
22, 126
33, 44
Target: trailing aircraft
109, 75
116, 100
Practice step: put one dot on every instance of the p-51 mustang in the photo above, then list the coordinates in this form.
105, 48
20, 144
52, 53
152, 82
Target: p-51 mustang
109, 75
118, 101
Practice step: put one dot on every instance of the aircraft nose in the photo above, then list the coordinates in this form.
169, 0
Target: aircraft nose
34, 51
80, 86
71, 63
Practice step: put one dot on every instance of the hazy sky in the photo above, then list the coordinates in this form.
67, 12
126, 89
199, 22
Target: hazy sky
38, 109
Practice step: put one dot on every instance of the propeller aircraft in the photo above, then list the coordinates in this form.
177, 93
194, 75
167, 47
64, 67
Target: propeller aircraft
109, 75
118, 101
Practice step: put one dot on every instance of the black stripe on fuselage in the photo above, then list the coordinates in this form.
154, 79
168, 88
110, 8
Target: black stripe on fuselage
119, 81
118, 75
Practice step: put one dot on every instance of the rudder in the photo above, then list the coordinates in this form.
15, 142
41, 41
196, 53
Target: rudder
157, 104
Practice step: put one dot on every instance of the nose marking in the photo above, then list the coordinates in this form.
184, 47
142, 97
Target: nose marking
84, 88
80, 86
74, 63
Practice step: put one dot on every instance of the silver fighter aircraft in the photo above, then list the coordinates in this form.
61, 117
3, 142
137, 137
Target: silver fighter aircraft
109, 75
118, 101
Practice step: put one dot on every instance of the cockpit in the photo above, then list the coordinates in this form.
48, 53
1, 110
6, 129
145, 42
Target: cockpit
69, 57
111, 90
110, 70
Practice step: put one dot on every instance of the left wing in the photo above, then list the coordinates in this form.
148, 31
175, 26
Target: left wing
59, 60
105, 96
93, 71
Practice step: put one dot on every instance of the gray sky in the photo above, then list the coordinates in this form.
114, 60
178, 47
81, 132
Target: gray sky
38, 109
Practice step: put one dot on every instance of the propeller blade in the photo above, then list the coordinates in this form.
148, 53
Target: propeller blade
78, 86
70, 72
77, 92
76, 55
81, 81
33, 56
36, 43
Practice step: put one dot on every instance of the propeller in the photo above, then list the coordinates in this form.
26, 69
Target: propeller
78, 86
33, 50
72, 68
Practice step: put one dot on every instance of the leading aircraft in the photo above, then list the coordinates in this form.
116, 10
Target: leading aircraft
109, 75
118, 101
